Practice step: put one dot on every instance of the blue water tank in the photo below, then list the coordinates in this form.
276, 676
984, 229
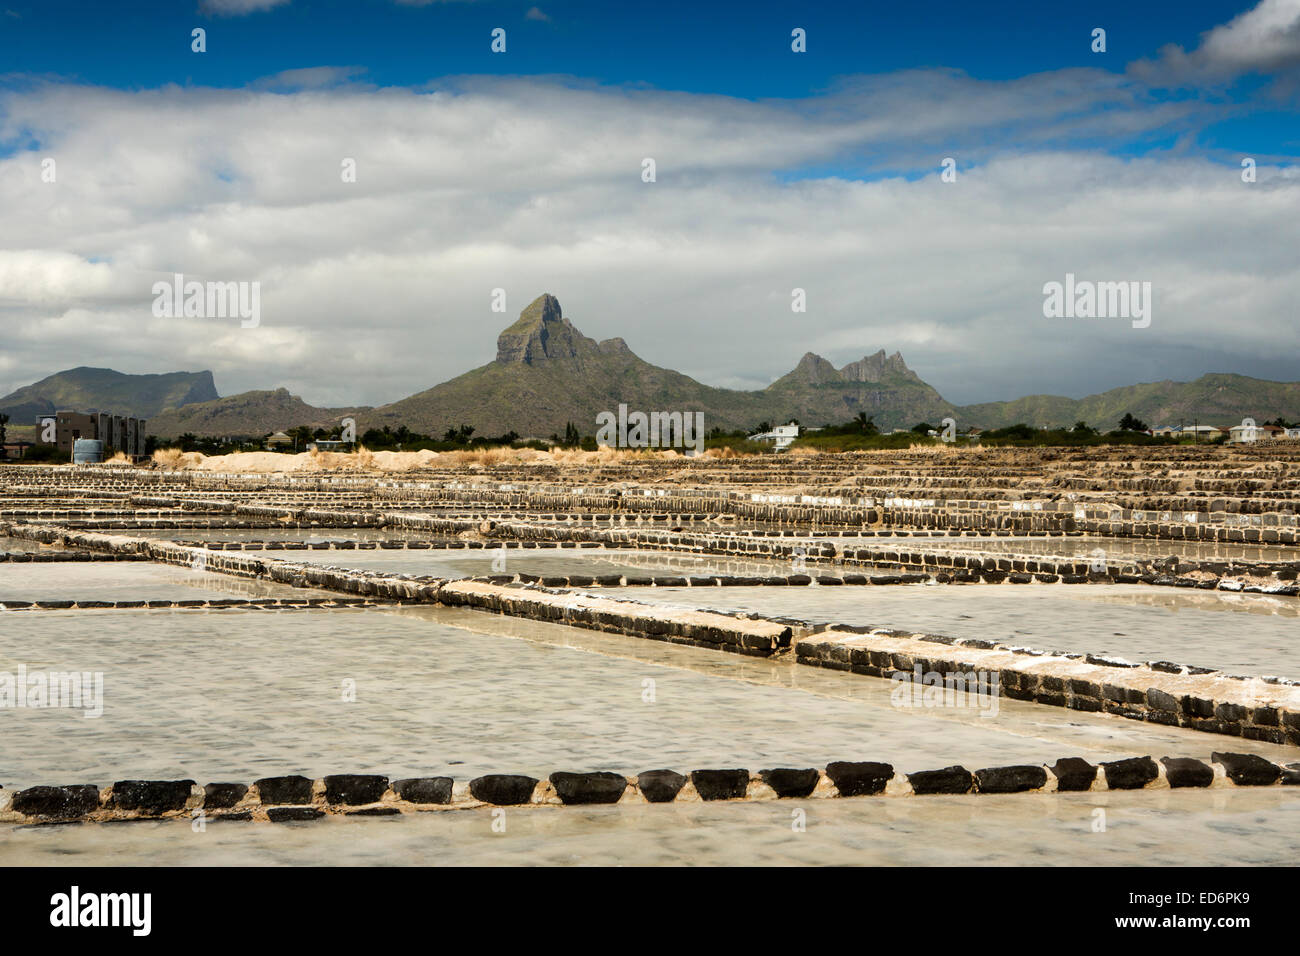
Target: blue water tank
87, 451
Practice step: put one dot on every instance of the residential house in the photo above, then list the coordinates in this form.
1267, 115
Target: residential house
781, 437
1252, 433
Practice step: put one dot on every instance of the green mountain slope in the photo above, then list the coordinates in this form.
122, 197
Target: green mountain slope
547, 373
102, 389
1216, 399
246, 414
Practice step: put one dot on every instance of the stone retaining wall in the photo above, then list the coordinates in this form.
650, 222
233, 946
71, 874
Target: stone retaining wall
297, 798
215, 604
1255, 708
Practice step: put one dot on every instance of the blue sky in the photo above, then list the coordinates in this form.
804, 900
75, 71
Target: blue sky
739, 50
775, 171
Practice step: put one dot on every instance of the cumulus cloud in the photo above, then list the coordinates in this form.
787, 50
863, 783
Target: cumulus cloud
535, 13
1264, 39
374, 289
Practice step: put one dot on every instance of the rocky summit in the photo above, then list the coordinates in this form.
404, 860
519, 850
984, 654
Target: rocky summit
546, 373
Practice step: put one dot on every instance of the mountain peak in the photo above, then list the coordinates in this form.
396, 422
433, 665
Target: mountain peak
814, 370
541, 332
874, 368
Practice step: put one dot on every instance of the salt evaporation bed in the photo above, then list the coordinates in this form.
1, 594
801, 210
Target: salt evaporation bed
1074, 547
128, 581
544, 561
237, 695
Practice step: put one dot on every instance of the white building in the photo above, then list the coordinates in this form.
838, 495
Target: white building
782, 436
1249, 433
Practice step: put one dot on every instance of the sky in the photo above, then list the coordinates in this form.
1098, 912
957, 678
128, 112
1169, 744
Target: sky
127, 156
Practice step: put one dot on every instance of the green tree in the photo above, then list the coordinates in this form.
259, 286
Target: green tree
923, 428
458, 436
1129, 423
301, 435
866, 423
4, 420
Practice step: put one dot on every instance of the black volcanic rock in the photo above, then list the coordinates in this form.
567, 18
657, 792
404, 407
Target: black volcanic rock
859, 778
582, 788
502, 789
66, 802
424, 789
660, 786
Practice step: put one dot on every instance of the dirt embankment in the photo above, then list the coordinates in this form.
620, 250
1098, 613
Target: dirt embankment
366, 461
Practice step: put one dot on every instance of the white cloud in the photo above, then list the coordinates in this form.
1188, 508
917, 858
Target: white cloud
535, 13
1263, 39
239, 8
376, 289
309, 78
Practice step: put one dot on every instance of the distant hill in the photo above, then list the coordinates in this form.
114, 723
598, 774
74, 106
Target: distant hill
1215, 399
245, 414
104, 390
547, 373
817, 393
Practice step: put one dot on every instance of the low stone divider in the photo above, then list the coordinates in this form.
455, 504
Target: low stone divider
1161, 692
55, 557
213, 604
295, 798
712, 629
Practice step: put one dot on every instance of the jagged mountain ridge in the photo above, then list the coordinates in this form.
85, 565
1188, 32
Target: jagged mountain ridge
546, 373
